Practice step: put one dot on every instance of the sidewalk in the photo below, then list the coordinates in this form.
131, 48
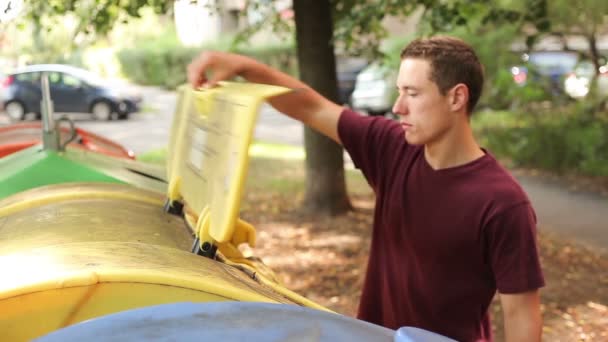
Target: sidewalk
580, 215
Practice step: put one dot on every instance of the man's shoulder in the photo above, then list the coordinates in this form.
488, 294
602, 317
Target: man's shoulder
350, 117
500, 186
358, 130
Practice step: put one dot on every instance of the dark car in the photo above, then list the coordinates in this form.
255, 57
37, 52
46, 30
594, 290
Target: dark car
73, 90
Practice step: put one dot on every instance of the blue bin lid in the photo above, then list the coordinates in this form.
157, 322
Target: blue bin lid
233, 321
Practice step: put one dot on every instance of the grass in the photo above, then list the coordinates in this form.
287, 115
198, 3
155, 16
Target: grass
158, 156
274, 167
257, 150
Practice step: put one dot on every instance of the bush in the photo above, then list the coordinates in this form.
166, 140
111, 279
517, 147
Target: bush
565, 141
162, 61
159, 61
503, 93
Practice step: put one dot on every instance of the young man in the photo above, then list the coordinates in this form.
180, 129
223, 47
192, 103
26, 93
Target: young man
451, 226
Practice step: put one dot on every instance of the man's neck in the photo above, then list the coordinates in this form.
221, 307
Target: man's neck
456, 147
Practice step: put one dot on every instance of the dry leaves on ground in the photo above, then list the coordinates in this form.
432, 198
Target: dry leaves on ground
324, 259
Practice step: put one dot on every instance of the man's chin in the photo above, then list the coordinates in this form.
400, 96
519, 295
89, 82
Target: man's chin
412, 140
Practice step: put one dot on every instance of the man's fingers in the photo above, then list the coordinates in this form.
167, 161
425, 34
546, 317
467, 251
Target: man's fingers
197, 70
209, 68
216, 77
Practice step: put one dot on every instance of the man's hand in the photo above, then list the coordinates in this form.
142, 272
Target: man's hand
222, 65
303, 104
522, 318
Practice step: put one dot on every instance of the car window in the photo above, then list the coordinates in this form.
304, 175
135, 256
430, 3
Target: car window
71, 81
31, 77
54, 78
549, 62
585, 68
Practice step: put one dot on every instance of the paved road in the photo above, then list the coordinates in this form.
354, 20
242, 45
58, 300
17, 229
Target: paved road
577, 214
149, 130
583, 216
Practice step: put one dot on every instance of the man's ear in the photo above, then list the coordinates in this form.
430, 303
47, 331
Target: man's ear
459, 97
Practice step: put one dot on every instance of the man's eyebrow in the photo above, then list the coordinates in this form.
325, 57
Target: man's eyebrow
406, 88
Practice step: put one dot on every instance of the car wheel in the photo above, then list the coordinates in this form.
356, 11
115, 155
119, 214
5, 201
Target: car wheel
102, 111
15, 110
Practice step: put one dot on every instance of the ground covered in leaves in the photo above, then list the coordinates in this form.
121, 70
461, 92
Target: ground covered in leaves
325, 258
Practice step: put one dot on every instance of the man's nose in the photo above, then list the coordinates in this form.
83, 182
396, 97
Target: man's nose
400, 107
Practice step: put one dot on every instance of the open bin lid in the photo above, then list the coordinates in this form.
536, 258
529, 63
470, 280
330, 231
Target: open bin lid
209, 149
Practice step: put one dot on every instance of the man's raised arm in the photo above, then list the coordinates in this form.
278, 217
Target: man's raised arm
303, 104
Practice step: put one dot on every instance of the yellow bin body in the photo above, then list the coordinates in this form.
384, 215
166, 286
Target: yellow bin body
80, 251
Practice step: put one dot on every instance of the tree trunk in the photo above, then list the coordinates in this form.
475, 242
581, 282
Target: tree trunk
598, 100
325, 184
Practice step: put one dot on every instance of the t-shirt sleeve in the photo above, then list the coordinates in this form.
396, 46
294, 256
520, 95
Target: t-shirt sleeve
512, 244
367, 140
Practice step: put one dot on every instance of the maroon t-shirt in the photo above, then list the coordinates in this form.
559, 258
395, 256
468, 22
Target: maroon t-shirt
443, 240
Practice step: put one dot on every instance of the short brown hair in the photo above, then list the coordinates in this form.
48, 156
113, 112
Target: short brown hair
452, 61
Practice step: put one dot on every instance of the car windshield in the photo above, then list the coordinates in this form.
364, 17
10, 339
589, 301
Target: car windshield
553, 62
87, 76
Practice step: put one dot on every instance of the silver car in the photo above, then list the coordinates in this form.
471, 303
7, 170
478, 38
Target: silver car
375, 91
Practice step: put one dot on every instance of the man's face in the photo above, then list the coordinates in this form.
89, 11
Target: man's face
423, 111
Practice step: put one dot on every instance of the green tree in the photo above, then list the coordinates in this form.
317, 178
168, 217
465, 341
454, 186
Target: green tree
93, 16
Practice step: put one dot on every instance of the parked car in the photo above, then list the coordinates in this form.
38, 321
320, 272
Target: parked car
549, 66
347, 70
375, 91
73, 90
577, 83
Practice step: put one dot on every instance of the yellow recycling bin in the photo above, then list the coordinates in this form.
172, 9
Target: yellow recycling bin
73, 259
75, 251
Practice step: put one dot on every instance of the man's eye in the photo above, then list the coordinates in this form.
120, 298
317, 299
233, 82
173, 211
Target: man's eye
412, 94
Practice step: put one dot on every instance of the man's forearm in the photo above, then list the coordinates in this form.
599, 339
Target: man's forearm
522, 317
522, 329
303, 104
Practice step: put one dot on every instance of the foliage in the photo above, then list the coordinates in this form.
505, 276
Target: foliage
162, 60
37, 44
358, 25
503, 93
392, 47
586, 17
94, 16
559, 140
359, 28
589, 19
158, 61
